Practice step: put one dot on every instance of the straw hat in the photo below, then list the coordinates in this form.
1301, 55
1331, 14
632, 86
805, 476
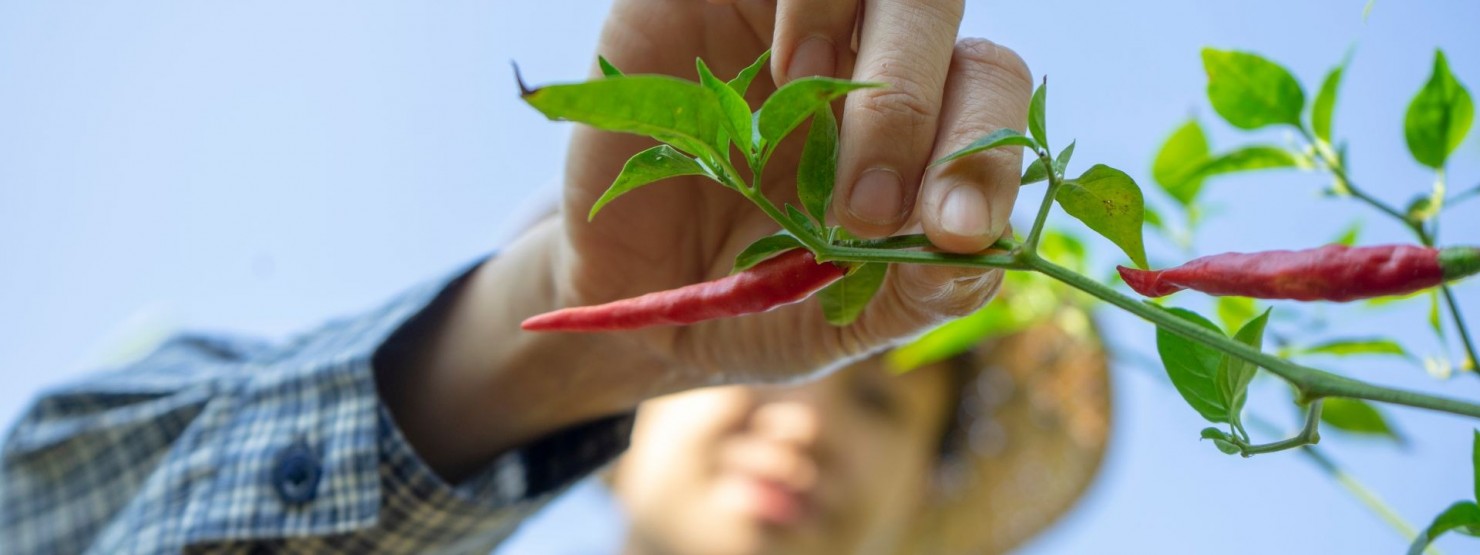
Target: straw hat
1035, 415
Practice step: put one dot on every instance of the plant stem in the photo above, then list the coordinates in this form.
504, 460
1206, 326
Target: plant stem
1054, 180
1459, 326
1310, 434
914, 241
1312, 383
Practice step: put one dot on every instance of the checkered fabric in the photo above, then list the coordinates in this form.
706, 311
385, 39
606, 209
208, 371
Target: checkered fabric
215, 445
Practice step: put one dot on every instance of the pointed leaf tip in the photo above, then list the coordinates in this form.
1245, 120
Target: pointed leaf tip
524, 89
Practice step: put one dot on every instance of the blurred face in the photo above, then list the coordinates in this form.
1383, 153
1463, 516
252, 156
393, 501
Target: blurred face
840, 465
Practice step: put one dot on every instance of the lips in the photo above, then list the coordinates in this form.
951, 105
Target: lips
775, 504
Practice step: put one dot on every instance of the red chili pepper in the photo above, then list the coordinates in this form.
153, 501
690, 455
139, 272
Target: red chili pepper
1331, 273
783, 279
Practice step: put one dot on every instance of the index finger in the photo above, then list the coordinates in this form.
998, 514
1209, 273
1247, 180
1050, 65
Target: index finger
888, 133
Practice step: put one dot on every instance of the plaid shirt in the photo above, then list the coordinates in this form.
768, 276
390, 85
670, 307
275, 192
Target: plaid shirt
223, 445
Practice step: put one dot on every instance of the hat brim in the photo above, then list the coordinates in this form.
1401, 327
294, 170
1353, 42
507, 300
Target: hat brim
1039, 426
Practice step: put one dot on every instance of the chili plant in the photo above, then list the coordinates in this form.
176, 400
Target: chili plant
699, 125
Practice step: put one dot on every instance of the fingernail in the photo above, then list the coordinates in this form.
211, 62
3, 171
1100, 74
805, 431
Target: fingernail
964, 212
876, 197
813, 57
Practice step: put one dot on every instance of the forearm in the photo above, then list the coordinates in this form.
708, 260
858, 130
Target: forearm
467, 384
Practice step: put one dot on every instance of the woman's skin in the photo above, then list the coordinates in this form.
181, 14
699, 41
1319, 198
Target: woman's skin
840, 465
470, 362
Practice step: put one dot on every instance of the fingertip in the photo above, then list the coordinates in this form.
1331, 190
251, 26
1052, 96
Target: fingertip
876, 204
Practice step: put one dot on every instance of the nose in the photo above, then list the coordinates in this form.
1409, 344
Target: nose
793, 416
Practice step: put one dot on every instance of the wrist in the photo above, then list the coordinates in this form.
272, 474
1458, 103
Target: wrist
474, 385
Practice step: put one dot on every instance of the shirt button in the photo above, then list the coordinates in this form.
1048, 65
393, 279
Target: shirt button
296, 474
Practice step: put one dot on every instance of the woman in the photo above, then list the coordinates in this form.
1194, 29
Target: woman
970, 455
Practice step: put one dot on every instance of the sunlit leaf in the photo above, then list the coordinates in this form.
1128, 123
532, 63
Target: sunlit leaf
1250, 91
1180, 156
1249, 158
1353, 347
1349, 237
1036, 173
732, 106
763, 248
1325, 103
1356, 416
741, 82
1037, 114
999, 138
654, 164
846, 298
678, 112
1438, 117
796, 101
607, 69
1109, 202
1234, 311
819, 166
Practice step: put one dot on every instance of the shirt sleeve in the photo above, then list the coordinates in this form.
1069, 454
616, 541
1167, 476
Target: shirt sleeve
212, 444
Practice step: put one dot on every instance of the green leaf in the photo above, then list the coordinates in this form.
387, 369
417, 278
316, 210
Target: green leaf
1462, 514
1234, 374
1036, 173
678, 112
1349, 237
1421, 209
797, 100
1153, 218
1109, 202
1434, 322
1061, 162
801, 219
1250, 91
1179, 158
846, 298
1355, 416
1227, 447
764, 248
1249, 158
1475, 462
741, 83
1193, 368
1325, 103
1351, 347
1037, 114
1033, 299
819, 166
732, 106
999, 138
1063, 249
1234, 311
654, 164
1438, 117
607, 69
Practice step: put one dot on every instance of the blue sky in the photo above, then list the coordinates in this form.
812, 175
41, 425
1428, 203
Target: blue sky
259, 167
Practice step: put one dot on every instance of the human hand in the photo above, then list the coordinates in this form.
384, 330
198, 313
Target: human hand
940, 95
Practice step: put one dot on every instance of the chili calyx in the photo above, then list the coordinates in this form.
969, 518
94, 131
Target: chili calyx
783, 279
1330, 273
